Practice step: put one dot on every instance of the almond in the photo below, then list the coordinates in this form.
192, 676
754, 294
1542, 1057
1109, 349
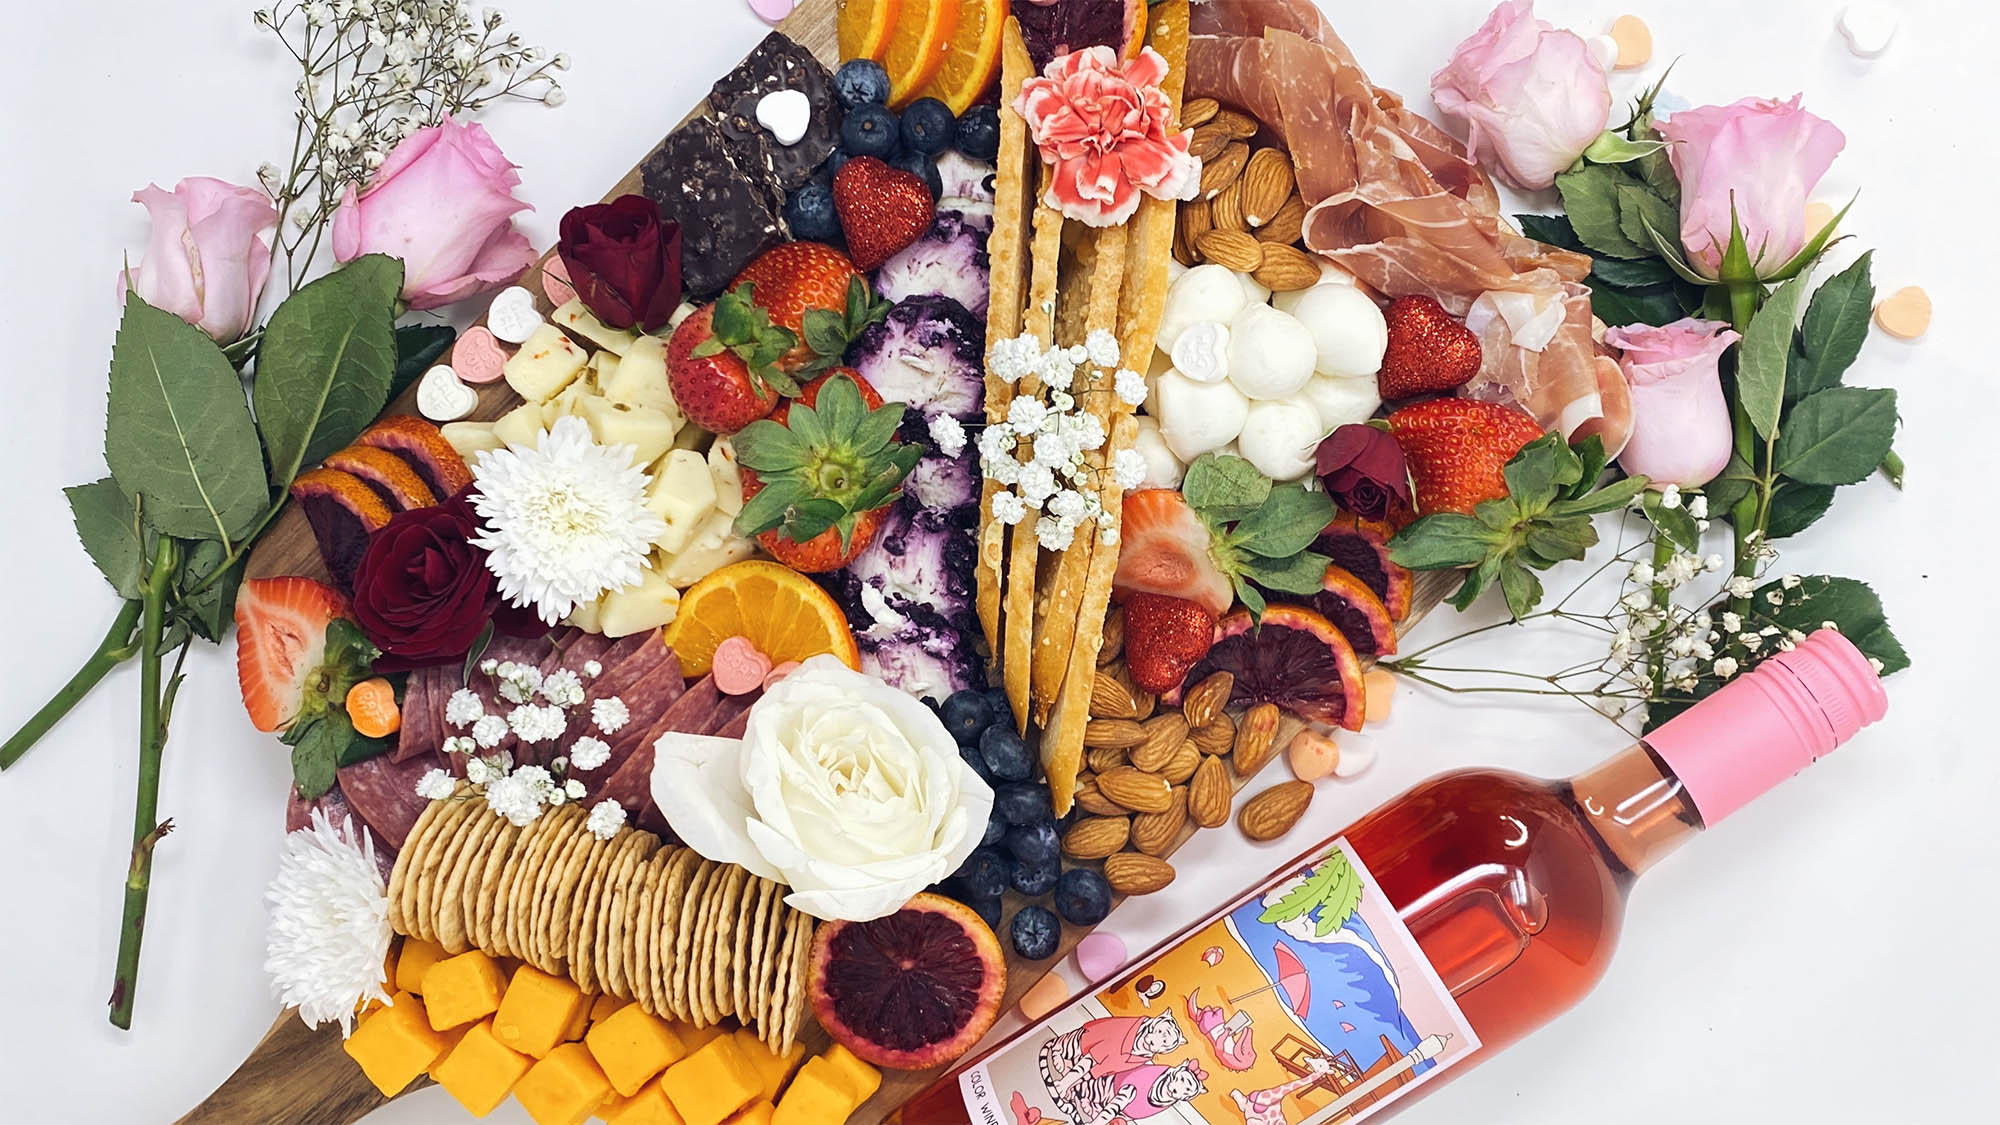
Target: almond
1101, 758
1134, 873
1145, 701
1119, 733
1199, 111
1195, 221
1182, 765
1091, 801
1095, 837
1135, 789
1155, 833
1184, 254
1288, 225
1164, 735
1267, 182
1226, 209
1215, 736
1286, 268
1224, 170
1204, 701
1240, 126
1209, 794
1208, 142
1256, 739
1235, 249
1114, 637
1272, 813
1109, 699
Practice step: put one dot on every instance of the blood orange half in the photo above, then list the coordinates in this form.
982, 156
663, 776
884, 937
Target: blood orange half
911, 990
1294, 658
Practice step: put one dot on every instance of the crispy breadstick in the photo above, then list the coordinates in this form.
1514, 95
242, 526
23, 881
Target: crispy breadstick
1018, 611
1152, 236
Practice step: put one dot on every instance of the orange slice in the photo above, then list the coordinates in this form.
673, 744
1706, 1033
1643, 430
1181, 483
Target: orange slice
972, 59
784, 613
917, 47
865, 26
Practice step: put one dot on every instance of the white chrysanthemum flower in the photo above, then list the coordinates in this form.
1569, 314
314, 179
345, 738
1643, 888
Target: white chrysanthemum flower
329, 923
1008, 508
436, 785
533, 724
609, 714
563, 688
1131, 387
605, 819
949, 435
1026, 415
1128, 468
563, 522
489, 730
588, 753
1101, 347
464, 708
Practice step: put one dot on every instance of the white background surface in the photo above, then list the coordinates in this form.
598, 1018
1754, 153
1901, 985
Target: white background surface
1827, 955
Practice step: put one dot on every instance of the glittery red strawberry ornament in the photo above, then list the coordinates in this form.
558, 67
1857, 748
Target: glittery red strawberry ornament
1429, 350
882, 209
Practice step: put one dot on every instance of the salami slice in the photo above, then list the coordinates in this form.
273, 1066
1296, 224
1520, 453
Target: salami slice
384, 794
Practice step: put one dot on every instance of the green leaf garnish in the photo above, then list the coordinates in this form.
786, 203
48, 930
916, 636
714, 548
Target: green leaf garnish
1224, 488
1763, 356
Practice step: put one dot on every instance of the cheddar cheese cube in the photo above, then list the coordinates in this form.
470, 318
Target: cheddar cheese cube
759, 1112
414, 961
537, 1011
774, 1068
452, 1037
862, 1080
696, 1037
578, 1023
603, 1006
818, 1095
632, 1046
462, 989
650, 1106
712, 1083
481, 1071
563, 1089
395, 1044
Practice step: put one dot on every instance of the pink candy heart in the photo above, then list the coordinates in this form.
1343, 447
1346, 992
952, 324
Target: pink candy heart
555, 281
738, 668
773, 10
478, 356
1099, 955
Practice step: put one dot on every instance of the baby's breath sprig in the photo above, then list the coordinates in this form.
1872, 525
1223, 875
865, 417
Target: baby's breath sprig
374, 72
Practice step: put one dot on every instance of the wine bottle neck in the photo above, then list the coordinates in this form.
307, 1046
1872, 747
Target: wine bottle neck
1637, 807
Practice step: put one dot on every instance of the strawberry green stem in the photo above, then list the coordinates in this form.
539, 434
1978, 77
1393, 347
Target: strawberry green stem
147, 829
115, 649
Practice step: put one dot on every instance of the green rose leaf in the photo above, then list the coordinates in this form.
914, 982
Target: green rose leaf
1442, 541
1674, 523
209, 613
316, 751
1836, 324
1641, 273
1224, 488
328, 357
1763, 355
1729, 488
1302, 573
1795, 507
1552, 229
178, 433
1643, 214
1837, 436
109, 528
1653, 304
1852, 605
418, 348
1285, 524
1590, 199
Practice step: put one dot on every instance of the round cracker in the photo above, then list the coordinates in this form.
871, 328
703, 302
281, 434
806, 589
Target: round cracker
684, 937
748, 1005
399, 872
774, 1013
720, 955
482, 891
470, 853
541, 870
613, 919
746, 936
438, 869
566, 871
795, 1000
610, 895
442, 838
627, 955
701, 963
642, 920
527, 852
582, 914
415, 848
666, 928
774, 950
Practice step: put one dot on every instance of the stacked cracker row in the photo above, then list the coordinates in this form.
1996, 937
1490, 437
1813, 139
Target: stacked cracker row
685, 937
1042, 611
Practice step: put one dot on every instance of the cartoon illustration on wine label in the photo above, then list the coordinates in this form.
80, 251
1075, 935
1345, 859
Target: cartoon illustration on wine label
1308, 1003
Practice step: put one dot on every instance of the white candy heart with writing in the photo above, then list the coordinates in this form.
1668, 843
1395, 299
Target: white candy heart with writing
443, 397
512, 316
786, 113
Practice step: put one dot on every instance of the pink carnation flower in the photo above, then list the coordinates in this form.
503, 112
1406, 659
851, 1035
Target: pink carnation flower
1103, 124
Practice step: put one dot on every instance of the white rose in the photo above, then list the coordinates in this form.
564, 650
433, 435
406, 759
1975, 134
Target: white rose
843, 788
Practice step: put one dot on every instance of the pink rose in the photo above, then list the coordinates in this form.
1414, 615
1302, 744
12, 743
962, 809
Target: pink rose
1762, 154
1681, 432
1531, 95
1103, 125
207, 258
444, 203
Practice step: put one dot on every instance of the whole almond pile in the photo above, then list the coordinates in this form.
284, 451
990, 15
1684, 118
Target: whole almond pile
1248, 215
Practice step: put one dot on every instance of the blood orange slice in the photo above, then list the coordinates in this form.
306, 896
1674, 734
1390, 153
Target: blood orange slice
972, 60
1361, 548
911, 990
917, 47
1294, 658
1357, 612
865, 26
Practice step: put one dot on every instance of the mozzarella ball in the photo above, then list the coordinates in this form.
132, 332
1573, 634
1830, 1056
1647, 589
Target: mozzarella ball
1163, 469
1270, 353
1197, 417
1280, 438
1341, 401
1202, 352
1348, 331
1206, 292
1329, 274
1254, 290
1174, 270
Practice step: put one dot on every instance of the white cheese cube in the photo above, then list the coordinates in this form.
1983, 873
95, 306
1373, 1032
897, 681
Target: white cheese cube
471, 439
603, 365
546, 363
578, 320
641, 377
649, 432
521, 427
585, 617
714, 546
682, 493
693, 437
635, 609
728, 479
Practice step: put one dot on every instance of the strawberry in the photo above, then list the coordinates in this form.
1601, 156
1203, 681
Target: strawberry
722, 363
1164, 637
281, 638
1457, 449
813, 291
1429, 350
1164, 548
882, 209
818, 478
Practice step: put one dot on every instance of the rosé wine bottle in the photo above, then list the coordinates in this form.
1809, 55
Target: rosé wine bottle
1436, 930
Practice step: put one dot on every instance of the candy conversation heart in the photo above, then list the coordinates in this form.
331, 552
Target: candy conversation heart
478, 356
443, 397
512, 316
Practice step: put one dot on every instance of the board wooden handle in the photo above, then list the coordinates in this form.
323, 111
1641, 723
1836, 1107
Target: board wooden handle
297, 1075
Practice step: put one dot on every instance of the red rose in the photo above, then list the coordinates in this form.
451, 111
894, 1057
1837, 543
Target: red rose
1363, 470
624, 263
422, 593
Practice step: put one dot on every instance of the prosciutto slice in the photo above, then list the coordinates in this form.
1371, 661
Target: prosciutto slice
1398, 203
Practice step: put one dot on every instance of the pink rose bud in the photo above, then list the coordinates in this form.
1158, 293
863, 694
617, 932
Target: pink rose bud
208, 257
1531, 95
1763, 157
443, 202
1681, 432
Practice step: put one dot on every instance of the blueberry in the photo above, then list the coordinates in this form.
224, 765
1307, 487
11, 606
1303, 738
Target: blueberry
965, 714
1035, 878
1022, 802
929, 127
923, 168
809, 212
1003, 709
1083, 898
1033, 843
978, 763
869, 130
861, 82
995, 829
1036, 933
984, 873
835, 161
1006, 754
979, 133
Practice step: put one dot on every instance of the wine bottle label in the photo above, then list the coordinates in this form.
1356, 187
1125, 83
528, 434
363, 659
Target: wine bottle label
1307, 1001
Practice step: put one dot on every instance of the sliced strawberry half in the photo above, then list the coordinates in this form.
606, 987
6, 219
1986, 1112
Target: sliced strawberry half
1164, 549
281, 644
